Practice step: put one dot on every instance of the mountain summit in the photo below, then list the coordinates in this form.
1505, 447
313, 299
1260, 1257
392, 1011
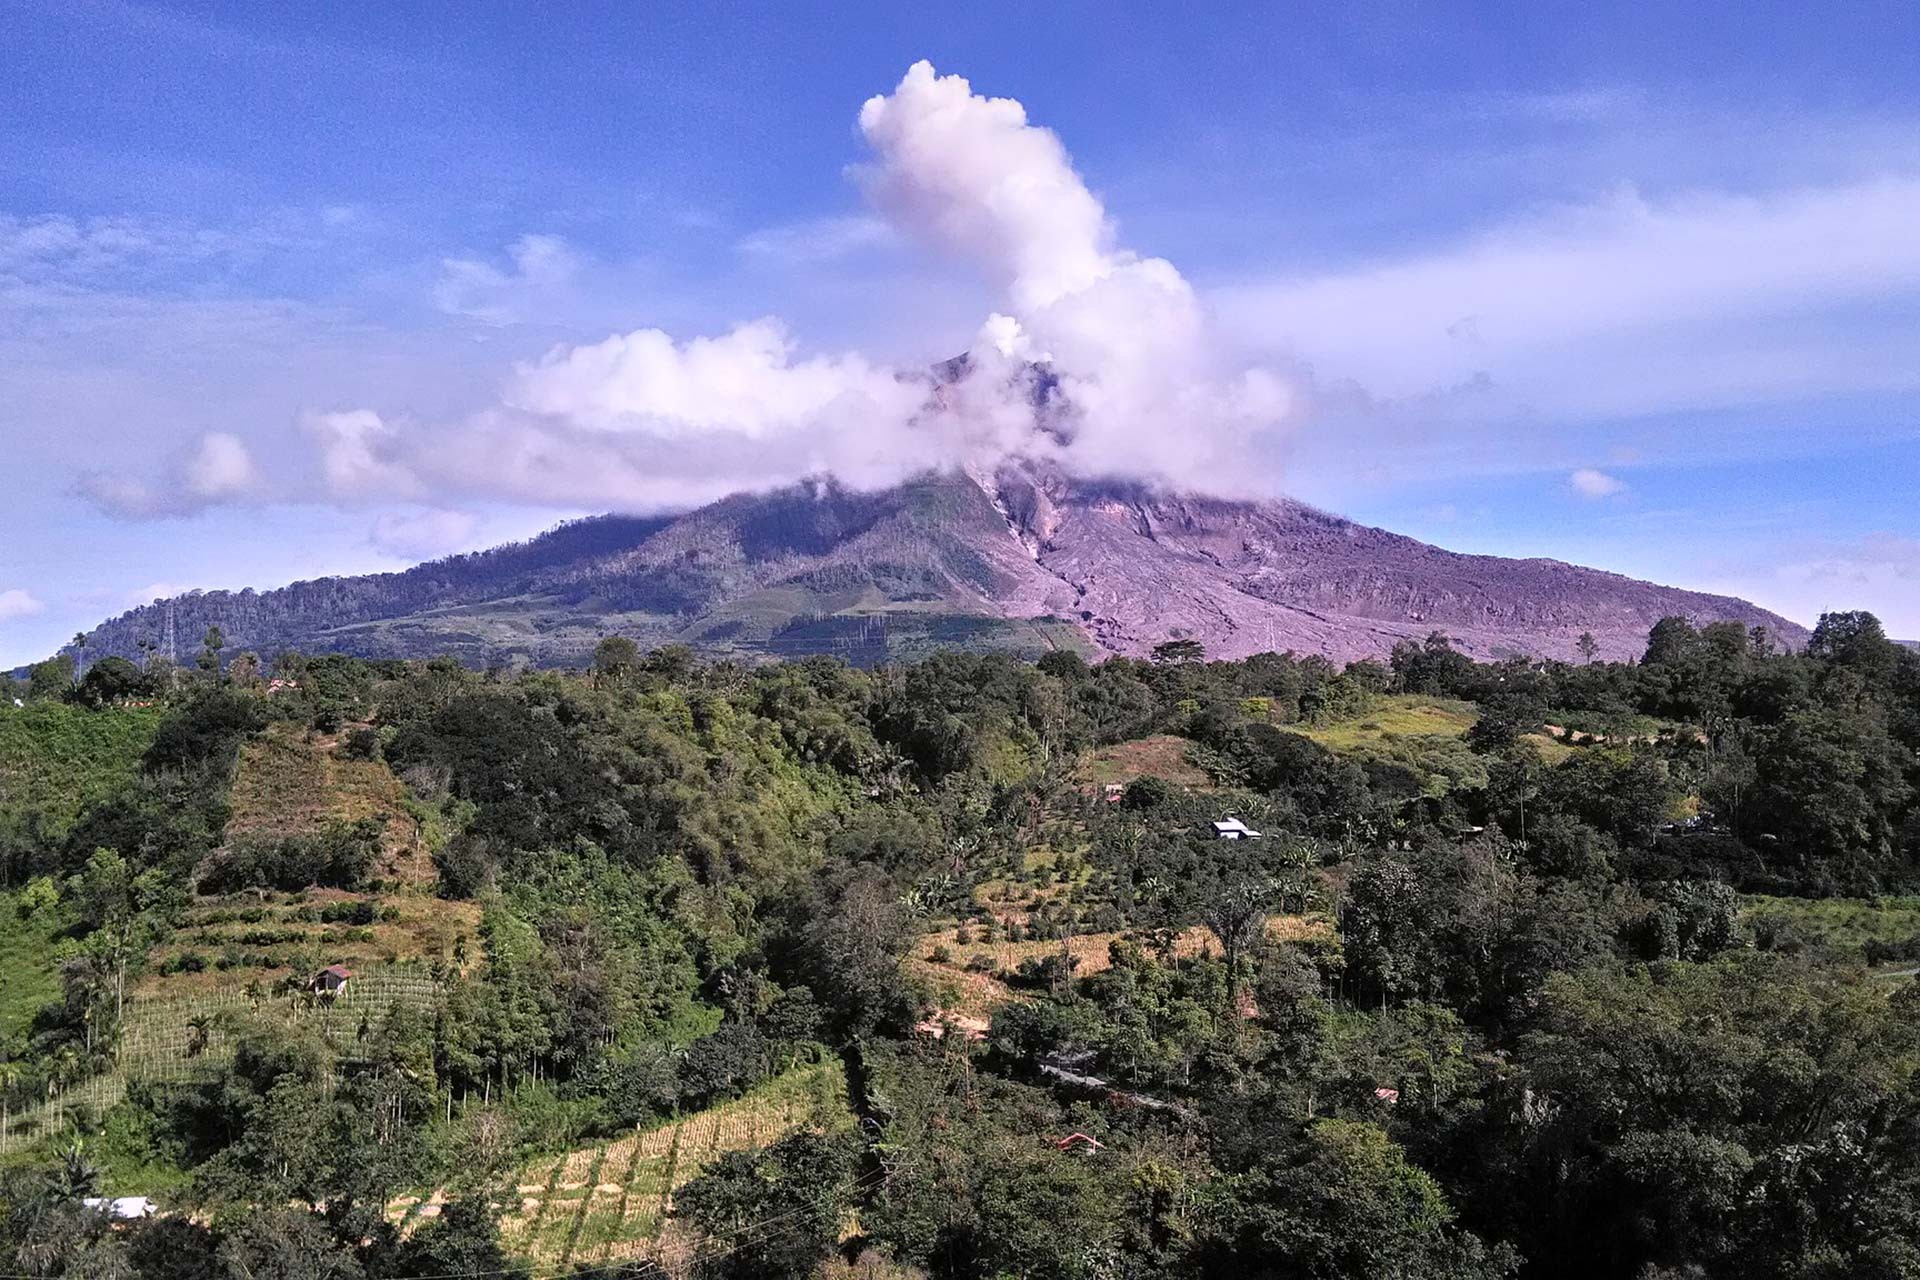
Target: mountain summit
1022, 558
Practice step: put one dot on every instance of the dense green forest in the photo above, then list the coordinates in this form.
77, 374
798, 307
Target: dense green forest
362, 969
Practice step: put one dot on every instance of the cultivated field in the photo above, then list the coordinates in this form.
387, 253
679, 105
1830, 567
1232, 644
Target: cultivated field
611, 1202
1162, 756
291, 782
960, 985
160, 1041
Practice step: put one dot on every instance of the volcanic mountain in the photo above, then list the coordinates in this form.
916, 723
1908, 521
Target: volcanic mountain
1023, 558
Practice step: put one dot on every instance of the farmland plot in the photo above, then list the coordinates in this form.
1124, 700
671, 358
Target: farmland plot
610, 1202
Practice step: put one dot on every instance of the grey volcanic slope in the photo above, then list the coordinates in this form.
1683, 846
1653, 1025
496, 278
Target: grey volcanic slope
1023, 560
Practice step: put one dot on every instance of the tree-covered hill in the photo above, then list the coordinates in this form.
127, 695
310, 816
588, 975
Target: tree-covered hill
1535, 968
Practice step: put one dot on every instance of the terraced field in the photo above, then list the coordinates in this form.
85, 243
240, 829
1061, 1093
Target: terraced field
611, 1202
160, 1041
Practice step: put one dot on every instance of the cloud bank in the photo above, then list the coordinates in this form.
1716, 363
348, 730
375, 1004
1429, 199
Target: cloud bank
1099, 358
1624, 306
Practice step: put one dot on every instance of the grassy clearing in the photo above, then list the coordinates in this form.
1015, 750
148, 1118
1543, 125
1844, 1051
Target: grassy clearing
1843, 925
1397, 716
611, 1201
1162, 756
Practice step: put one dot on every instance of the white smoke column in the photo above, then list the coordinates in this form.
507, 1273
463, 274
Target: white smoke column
1125, 334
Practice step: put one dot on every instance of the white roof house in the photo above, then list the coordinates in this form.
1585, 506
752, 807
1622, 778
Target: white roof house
1233, 829
121, 1208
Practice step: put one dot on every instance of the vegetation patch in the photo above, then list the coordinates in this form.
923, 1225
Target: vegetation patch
1163, 755
58, 760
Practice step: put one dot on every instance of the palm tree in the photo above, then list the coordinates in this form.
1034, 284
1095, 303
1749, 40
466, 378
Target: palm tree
77, 1178
79, 655
199, 1029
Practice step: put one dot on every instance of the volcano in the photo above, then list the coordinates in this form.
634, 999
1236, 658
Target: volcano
1021, 558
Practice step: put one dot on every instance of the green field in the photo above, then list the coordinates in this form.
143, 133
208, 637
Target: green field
57, 760
1844, 925
28, 974
1396, 716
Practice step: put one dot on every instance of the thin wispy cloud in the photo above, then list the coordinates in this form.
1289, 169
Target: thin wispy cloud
1630, 294
413, 536
536, 276
820, 240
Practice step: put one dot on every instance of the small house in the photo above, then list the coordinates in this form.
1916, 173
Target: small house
121, 1208
1233, 829
1080, 1144
332, 980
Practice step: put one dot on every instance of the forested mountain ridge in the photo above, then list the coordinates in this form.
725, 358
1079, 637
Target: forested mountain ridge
1533, 969
1024, 559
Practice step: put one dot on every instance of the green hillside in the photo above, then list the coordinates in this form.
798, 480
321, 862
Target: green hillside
57, 760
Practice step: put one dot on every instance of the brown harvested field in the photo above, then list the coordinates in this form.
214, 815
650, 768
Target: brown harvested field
961, 990
1163, 756
293, 783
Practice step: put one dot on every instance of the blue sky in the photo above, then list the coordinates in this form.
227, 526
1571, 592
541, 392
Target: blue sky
291, 290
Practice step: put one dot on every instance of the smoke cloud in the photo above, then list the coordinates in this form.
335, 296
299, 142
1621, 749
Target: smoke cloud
1098, 358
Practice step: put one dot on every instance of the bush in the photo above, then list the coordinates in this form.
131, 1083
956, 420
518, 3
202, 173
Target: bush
339, 857
362, 744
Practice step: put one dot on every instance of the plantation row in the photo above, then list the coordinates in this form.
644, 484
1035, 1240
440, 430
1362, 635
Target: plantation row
186, 1039
609, 1202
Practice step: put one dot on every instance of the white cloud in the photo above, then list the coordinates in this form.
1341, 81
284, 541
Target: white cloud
542, 267
1589, 483
219, 469
422, 535
1626, 306
746, 381
358, 457
15, 603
